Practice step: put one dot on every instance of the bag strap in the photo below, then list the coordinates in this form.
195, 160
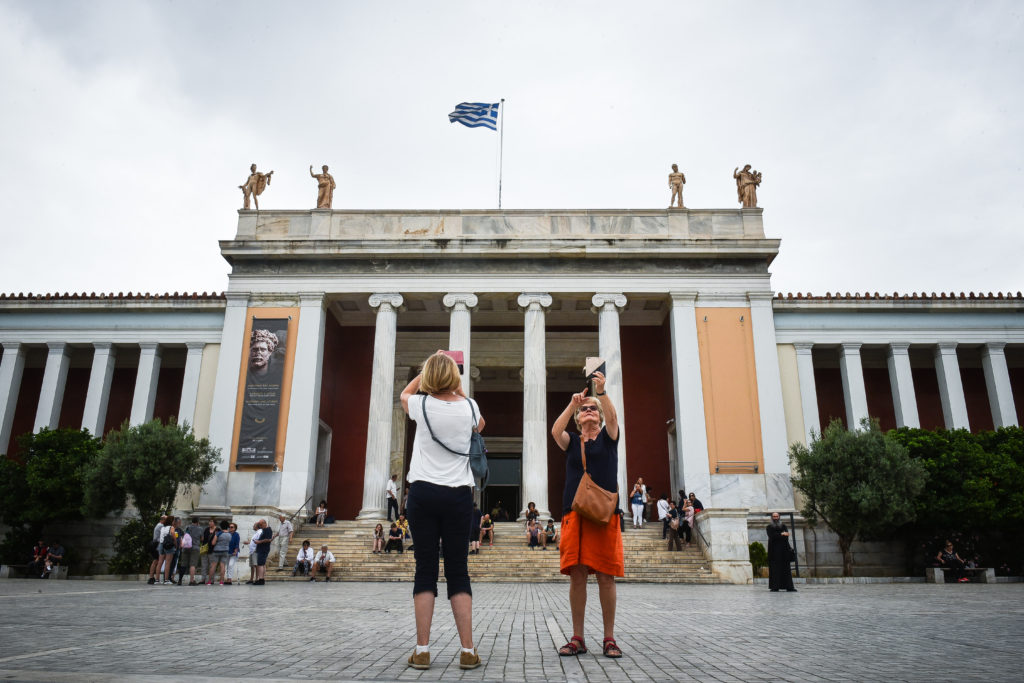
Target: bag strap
426, 420
583, 454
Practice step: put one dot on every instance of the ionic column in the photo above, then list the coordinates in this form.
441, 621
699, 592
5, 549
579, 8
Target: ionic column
691, 429
951, 388
51, 395
774, 443
997, 381
298, 469
11, 369
808, 389
144, 398
460, 306
904, 399
607, 306
378, 437
94, 417
213, 497
854, 394
396, 462
535, 426
190, 384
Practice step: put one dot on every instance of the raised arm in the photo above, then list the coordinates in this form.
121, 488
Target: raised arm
611, 418
311, 171
558, 432
410, 390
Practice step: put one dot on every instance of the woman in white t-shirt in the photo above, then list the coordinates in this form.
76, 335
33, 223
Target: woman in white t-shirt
440, 503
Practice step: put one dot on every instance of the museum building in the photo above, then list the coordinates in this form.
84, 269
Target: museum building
295, 371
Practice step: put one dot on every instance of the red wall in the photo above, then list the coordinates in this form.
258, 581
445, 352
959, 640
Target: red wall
168, 393
503, 412
73, 406
879, 392
829, 385
979, 413
25, 412
119, 406
1017, 385
648, 403
345, 407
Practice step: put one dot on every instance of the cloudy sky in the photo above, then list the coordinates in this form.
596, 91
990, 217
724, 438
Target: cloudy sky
890, 135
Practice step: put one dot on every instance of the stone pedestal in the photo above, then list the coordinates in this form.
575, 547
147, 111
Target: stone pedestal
722, 535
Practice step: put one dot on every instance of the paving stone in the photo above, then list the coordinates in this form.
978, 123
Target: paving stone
365, 631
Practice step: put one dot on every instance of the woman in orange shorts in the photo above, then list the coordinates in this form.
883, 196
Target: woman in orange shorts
587, 547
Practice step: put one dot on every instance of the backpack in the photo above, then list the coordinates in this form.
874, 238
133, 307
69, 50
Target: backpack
168, 543
186, 542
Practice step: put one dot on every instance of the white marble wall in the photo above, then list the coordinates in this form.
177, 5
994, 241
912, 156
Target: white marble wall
727, 550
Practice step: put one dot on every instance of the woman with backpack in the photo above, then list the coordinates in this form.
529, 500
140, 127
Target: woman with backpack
219, 551
441, 499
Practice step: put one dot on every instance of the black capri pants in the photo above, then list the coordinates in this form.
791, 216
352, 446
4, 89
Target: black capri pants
440, 514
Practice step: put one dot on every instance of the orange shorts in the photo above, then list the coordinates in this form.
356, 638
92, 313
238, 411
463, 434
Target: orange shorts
598, 546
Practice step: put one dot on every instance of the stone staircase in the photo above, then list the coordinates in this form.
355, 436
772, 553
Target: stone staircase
510, 559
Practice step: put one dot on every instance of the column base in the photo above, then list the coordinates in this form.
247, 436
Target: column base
372, 513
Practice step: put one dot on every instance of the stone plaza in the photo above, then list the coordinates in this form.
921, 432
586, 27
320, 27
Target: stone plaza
99, 631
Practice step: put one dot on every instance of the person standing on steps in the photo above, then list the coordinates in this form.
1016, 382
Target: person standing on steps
283, 539
441, 499
589, 547
392, 495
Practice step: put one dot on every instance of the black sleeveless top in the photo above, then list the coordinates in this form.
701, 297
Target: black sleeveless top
602, 464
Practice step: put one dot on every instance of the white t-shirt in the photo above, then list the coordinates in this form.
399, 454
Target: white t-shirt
305, 555
392, 489
452, 423
318, 559
662, 509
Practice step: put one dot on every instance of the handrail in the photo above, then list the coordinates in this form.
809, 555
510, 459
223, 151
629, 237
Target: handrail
700, 533
737, 465
300, 508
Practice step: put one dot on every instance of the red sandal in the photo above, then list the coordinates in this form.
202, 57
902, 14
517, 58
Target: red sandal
571, 649
611, 649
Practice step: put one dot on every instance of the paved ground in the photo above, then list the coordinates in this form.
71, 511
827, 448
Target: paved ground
95, 631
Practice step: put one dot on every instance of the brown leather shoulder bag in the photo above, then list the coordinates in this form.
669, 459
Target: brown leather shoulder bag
592, 501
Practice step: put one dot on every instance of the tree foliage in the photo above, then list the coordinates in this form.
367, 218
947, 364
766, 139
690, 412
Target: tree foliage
147, 464
43, 485
975, 492
861, 483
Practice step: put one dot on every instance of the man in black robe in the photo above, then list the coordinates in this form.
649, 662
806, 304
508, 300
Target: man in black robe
779, 552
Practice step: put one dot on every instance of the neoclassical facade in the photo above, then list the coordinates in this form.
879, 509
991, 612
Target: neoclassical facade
714, 375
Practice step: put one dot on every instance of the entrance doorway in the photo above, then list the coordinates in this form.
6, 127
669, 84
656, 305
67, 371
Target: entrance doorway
502, 490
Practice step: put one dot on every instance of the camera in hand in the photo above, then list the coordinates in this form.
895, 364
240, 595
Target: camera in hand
592, 365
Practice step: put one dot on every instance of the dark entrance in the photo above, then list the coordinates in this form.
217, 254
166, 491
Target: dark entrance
503, 486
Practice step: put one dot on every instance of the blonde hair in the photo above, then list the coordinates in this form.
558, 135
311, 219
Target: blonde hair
440, 374
600, 411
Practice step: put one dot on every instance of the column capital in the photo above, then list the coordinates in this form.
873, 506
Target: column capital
195, 346
994, 347
760, 297
946, 347
103, 346
150, 346
312, 299
528, 300
851, 347
474, 373
459, 299
237, 298
386, 301
803, 348
686, 297
57, 346
608, 301
899, 348
11, 346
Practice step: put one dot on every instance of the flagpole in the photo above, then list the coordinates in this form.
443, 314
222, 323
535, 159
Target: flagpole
501, 147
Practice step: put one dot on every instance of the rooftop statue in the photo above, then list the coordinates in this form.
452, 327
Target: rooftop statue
676, 180
746, 186
254, 186
325, 187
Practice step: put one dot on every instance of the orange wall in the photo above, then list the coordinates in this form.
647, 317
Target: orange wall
729, 380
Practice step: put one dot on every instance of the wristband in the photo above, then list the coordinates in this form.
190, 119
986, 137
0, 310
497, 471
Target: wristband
601, 393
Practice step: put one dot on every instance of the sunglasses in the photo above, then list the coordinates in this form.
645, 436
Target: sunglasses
588, 409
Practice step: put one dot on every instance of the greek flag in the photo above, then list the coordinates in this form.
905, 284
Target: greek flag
476, 114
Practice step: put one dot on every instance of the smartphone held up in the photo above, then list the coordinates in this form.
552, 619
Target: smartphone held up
593, 364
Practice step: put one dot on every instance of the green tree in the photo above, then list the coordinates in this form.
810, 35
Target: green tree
44, 484
145, 465
862, 484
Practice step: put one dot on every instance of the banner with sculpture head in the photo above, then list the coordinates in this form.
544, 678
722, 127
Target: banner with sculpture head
261, 400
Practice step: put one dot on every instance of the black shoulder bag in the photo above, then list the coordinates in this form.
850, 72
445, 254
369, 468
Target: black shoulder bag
477, 450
